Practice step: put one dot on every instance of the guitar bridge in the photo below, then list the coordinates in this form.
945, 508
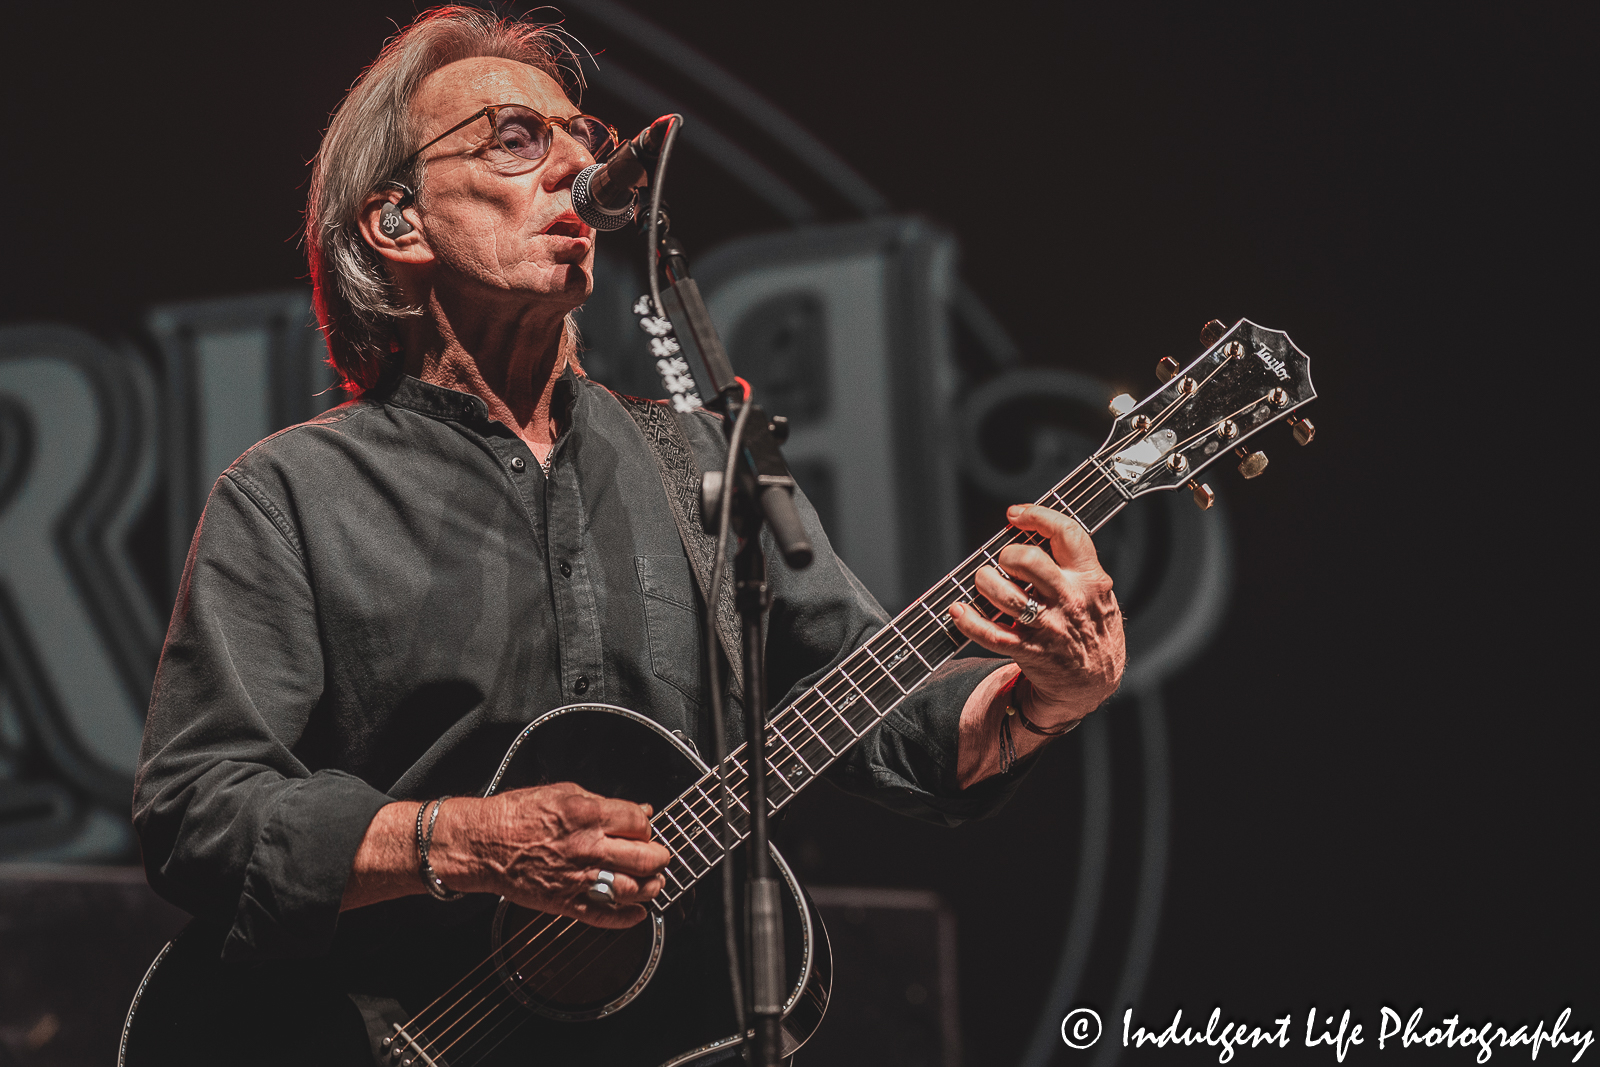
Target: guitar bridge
407, 1051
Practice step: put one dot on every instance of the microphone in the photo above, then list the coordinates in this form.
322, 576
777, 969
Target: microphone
603, 194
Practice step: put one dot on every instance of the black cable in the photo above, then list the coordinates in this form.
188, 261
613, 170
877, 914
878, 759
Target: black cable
718, 728
652, 250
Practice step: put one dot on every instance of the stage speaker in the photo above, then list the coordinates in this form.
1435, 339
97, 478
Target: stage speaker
894, 986
74, 943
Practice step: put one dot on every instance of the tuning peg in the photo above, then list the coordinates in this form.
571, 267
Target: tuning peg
1212, 332
779, 426
1203, 496
1166, 368
1121, 404
1303, 430
1251, 463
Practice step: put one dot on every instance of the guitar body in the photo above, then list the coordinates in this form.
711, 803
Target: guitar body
481, 983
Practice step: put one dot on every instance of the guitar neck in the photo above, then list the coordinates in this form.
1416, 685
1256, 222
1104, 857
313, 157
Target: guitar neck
805, 737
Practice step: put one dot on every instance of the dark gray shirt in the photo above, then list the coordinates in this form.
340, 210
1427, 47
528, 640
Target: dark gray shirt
377, 601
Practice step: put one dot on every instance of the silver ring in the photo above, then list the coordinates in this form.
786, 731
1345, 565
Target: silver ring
1030, 614
601, 892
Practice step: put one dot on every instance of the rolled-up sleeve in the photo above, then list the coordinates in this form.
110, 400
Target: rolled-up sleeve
234, 827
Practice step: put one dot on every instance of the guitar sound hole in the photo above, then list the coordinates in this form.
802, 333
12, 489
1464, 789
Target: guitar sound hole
565, 969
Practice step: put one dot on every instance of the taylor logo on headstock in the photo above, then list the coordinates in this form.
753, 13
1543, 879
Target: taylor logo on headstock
1274, 365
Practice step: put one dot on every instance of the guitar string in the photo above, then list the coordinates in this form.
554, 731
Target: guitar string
490, 962
918, 635
496, 996
559, 982
583, 961
511, 957
472, 1027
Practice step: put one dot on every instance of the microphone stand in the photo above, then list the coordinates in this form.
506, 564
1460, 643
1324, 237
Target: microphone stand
763, 495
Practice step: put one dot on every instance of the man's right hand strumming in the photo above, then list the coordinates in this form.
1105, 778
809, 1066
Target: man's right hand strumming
541, 848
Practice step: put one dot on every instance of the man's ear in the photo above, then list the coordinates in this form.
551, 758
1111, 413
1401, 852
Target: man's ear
390, 223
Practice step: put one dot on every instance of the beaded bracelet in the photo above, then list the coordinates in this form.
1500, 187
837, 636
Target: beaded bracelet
434, 884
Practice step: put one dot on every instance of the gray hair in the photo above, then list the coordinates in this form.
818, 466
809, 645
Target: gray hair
369, 137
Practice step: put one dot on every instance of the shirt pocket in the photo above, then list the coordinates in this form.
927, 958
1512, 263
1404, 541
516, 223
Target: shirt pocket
671, 621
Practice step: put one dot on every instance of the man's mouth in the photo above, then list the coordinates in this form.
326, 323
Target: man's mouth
567, 226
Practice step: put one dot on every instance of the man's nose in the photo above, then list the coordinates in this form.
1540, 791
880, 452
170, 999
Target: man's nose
567, 157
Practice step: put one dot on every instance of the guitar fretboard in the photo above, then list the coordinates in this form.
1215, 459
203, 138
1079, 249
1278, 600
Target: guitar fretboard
806, 736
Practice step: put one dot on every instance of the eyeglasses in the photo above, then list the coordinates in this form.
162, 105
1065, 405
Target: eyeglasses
525, 133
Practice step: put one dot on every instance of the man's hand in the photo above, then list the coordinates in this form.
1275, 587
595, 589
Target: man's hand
541, 848
544, 847
1073, 653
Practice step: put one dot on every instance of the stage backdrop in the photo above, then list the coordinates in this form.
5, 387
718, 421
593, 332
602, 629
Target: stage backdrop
1347, 770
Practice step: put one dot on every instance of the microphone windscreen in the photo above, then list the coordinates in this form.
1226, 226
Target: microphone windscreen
588, 207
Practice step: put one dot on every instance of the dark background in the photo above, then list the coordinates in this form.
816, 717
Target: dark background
1383, 790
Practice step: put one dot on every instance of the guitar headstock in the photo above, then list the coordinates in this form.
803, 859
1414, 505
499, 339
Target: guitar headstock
1249, 378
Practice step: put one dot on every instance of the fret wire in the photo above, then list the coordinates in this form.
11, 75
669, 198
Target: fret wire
736, 807
837, 713
1059, 499
864, 666
1074, 485
734, 766
715, 813
1115, 483
662, 833
714, 832
954, 580
667, 811
689, 808
938, 621
823, 719
868, 650
775, 732
912, 645
814, 731
896, 648
736, 762
776, 778
861, 693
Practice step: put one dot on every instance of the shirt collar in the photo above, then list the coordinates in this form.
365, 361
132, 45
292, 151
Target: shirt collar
440, 402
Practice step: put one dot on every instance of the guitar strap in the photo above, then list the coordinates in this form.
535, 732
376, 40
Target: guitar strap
680, 477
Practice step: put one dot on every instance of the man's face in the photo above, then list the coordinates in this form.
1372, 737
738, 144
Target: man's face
501, 228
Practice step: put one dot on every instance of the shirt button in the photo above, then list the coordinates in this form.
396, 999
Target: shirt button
581, 686
517, 463
566, 570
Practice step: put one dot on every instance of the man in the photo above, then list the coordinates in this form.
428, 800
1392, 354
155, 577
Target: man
377, 601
